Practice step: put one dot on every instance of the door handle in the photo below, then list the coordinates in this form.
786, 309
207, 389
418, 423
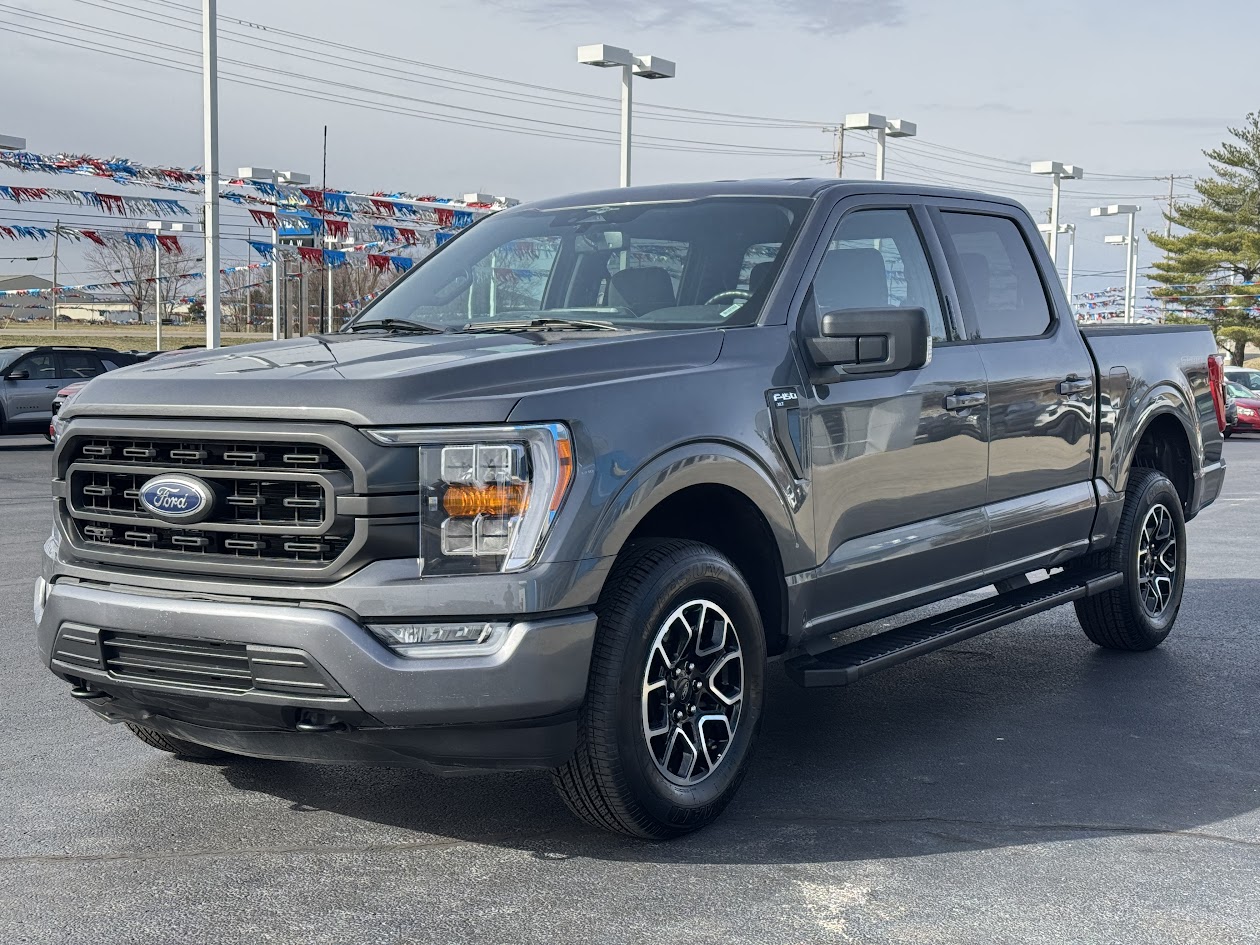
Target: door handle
51, 386
966, 400
1075, 385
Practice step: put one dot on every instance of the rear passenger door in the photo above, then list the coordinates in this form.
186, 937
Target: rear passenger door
1040, 382
898, 461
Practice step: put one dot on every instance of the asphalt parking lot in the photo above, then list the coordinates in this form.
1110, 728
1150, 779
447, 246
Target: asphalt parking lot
1021, 787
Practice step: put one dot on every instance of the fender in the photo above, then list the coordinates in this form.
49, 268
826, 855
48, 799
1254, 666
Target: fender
693, 464
1162, 399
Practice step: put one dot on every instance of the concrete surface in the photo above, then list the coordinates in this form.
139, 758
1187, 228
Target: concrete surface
1022, 787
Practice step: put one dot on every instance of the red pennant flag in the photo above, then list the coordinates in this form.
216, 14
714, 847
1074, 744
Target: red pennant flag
311, 254
378, 261
383, 206
409, 236
314, 197
112, 203
170, 244
445, 216
337, 228
93, 236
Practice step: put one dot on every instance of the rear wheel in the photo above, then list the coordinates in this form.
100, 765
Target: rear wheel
1149, 551
675, 694
176, 746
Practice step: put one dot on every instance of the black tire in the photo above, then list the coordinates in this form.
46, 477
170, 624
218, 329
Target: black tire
1130, 617
614, 780
176, 746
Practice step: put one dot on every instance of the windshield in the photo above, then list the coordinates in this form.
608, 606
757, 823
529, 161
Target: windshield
677, 264
10, 355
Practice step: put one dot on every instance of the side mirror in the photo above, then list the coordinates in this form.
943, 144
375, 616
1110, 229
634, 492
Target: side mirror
18, 376
873, 340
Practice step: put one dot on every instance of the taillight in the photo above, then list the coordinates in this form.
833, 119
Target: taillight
1216, 380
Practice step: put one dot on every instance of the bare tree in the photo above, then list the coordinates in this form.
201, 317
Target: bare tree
352, 283
132, 267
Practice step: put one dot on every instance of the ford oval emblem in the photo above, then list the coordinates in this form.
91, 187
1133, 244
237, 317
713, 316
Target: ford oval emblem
177, 499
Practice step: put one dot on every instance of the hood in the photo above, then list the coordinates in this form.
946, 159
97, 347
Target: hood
373, 379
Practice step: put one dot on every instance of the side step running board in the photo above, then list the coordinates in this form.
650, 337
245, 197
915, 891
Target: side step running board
849, 663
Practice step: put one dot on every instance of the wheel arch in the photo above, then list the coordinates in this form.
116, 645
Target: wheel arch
1165, 440
717, 494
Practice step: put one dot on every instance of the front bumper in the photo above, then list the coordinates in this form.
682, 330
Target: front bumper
510, 708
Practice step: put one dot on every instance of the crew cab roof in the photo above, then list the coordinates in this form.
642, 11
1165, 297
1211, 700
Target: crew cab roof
809, 187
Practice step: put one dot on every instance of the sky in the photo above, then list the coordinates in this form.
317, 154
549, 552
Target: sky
1123, 89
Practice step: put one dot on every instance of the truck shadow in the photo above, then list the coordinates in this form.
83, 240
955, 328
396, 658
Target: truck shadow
1027, 735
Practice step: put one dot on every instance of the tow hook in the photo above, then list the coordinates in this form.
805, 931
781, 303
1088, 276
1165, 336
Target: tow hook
84, 693
319, 722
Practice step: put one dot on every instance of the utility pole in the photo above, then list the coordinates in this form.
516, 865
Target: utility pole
56, 239
840, 151
1172, 181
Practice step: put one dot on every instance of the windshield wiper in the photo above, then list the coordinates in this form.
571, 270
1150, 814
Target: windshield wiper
542, 324
398, 324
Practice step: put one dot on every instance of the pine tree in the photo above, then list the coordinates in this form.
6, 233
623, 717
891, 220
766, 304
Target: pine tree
1211, 269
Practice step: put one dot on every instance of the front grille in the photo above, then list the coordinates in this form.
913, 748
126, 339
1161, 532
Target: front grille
294, 503
298, 549
191, 664
274, 503
218, 454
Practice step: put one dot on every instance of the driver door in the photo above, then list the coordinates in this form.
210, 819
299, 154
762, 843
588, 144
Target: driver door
899, 464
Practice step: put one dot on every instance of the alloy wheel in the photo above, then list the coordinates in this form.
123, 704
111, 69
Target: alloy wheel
1157, 560
692, 692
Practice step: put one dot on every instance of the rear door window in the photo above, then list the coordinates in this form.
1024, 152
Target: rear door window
995, 273
80, 366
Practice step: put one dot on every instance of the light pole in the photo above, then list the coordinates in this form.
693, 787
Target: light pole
210, 116
158, 227
333, 242
10, 143
1057, 172
275, 178
1130, 270
1070, 229
884, 129
645, 67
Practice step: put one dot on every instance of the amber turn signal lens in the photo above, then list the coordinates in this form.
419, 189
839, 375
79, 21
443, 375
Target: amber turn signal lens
462, 501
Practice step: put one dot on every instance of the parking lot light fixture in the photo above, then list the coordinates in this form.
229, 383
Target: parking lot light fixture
160, 227
271, 176
1130, 210
1057, 172
11, 143
603, 56
884, 129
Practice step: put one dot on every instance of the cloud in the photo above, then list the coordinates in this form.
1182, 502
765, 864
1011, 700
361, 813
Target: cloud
1189, 121
1000, 108
832, 16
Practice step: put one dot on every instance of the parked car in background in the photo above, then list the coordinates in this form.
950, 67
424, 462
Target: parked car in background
1247, 406
1245, 377
31, 377
1231, 414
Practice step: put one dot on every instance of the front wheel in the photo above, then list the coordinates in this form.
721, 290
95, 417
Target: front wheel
1150, 551
675, 694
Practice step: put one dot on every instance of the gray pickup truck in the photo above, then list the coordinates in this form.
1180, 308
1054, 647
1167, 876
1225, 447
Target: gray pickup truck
557, 498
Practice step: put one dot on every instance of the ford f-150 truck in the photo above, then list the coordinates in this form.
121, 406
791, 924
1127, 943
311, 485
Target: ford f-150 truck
558, 496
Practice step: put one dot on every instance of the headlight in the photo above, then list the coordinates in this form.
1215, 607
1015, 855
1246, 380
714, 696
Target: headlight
488, 495
1246, 412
